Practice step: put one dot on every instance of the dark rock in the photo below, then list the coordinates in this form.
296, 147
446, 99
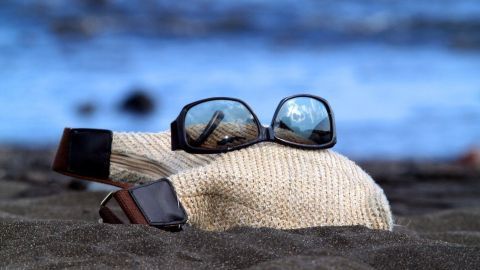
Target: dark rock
234, 22
98, 3
86, 109
75, 26
466, 41
35, 191
78, 185
471, 158
138, 102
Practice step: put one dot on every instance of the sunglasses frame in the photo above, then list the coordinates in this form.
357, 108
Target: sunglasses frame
265, 134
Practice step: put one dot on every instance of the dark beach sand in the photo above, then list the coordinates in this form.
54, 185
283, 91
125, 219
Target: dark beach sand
44, 223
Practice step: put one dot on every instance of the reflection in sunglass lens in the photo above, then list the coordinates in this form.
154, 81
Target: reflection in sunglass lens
220, 124
303, 120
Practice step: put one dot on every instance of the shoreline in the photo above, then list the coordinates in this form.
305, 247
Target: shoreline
411, 186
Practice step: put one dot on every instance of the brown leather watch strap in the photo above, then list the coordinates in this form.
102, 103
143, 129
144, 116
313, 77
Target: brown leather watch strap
108, 216
128, 205
154, 204
85, 154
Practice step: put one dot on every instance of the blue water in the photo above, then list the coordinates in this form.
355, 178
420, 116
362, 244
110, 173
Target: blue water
390, 100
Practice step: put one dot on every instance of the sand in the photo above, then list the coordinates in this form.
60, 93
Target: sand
45, 224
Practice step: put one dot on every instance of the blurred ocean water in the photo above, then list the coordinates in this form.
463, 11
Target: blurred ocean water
402, 76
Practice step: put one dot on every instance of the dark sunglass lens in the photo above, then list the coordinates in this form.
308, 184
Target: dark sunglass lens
220, 124
303, 120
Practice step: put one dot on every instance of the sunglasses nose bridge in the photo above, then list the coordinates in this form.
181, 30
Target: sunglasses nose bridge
267, 133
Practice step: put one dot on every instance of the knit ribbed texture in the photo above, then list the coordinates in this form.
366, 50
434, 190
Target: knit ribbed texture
264, 185
151, 154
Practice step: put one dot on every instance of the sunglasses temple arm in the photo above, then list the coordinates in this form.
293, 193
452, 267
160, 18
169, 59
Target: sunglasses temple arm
174, 135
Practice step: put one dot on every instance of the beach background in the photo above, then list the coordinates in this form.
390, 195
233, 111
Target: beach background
402, 77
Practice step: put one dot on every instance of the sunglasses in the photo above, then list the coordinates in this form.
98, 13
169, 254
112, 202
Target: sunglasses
221, 124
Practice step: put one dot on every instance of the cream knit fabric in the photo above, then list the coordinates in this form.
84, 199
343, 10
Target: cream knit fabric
264, 185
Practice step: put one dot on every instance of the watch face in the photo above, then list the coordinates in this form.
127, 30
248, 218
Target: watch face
159, 203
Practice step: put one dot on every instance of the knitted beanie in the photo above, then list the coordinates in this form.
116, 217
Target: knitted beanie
264, 185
